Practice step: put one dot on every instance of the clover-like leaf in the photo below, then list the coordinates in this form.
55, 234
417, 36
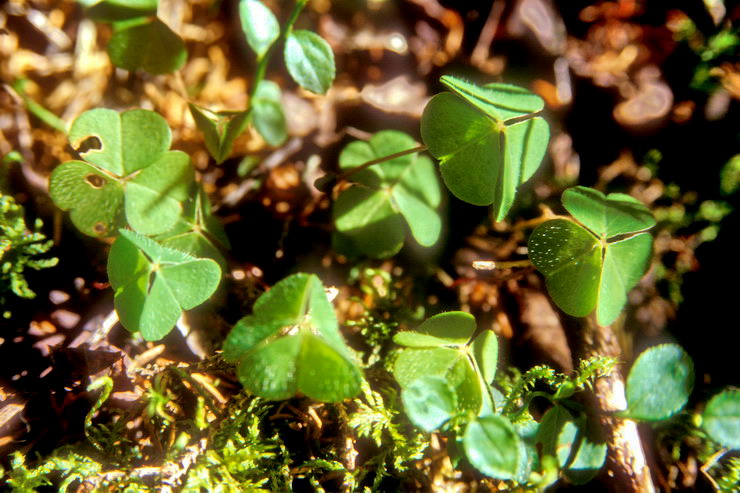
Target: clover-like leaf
147, 44
607, 216
586, 269
127, 168
443, 329
485, 351
155, 195
219, 129
659, 383
309, 60
487, 140
721, 418
154, 284
429, 402
259, 24
198, 232
370, 212
267, 113
292, 344
550, 431
493, 446
586, 451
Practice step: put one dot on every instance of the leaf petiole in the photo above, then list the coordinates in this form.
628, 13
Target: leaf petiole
382, 159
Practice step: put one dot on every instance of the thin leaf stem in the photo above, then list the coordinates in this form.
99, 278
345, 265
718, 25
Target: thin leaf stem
264, 60
382, 159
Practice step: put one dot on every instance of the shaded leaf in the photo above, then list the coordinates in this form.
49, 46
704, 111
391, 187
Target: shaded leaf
118, 10
429, 402
485, 350
492, 446
147, 44
721, 418
267, 113
309, 60
666, 367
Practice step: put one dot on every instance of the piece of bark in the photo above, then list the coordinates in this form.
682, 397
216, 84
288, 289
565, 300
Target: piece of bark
626, 463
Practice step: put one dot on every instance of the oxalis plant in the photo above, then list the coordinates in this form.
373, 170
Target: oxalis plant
166, 256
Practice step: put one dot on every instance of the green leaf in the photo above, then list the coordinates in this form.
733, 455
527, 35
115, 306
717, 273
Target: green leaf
127, 168
483, 159
550, 430
259, 25
267, 113
429, 402
659, 383
452, 365
154, 196
94, 199
492, 446
583, 272
154, 284
147, 44
370, 213
198, 232
589, 456
485, 350
444, 329
721, 418
219, 129
498, 101
610, 216
124, 142
309, 60
292, 343
119, 10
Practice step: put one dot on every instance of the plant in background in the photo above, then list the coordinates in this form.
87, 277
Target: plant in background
593, 262
370, 214
291, 343
308, 58
19, 249
140, 41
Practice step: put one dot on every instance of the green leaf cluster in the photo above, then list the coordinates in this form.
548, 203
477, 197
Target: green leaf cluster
20, 248
593, 262
370, 214
140, 41
128, 175
153, 284
291, 343
445, 373
488, 140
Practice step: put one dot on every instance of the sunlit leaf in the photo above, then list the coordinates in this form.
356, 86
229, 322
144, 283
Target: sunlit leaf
721, 418
128, 174
659, 383
147, 44
485, 350
587, 269
309, 60
154, 284
292, 344
444, 329
219, 129
492, 446
259, 25
483, 158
